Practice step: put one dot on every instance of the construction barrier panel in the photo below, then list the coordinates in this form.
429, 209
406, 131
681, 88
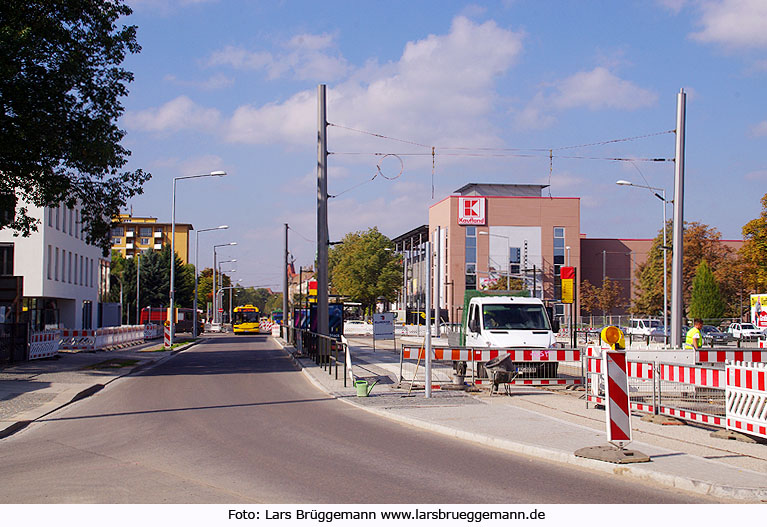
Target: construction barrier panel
44, 344
78, 339
731, 355
101, 339
734, 397
265, 327
443, 358
747, 398
152, 331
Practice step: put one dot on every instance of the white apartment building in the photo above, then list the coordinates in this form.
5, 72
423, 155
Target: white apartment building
63, 274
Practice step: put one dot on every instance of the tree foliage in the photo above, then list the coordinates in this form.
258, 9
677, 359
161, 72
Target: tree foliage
754, 251
60, 90
706, 301
701, 242
154, 281
364, 268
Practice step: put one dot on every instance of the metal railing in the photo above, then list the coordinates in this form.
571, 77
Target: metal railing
326, 352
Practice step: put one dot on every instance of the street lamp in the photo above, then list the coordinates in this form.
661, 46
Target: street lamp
661, 197
217, 173
213, 288
196, 269
221, 284
508, 256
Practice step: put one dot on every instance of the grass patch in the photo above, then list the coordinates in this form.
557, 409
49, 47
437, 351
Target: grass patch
114, 364
162, 347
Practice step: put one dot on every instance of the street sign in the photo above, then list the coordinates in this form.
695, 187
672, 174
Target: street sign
220, 309
383, 326
567, 275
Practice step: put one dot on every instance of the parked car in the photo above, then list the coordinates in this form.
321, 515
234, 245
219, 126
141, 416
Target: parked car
744, 331
643, 326
713, 336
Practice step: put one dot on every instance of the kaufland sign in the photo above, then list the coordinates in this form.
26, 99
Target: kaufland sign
471, 211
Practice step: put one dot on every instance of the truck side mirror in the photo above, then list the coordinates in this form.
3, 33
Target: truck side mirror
474, 325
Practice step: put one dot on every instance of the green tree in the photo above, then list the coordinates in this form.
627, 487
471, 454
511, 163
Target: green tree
706, 302
274, 303
60, 90
754, 251
205, 288
364, 268
609, 296
514, 284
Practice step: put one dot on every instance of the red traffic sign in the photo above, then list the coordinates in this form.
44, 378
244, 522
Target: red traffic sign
220, 309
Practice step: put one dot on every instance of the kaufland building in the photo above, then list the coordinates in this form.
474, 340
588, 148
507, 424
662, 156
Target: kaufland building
484, 232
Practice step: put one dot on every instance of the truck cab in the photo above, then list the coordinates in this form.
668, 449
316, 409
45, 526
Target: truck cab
508, 322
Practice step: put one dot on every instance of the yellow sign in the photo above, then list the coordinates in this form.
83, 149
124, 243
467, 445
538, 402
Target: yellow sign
568, 289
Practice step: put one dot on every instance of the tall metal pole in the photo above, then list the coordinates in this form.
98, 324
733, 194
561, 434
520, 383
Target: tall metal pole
285, 285
138, 290
322, 214
196, 267
677, 257
437, 284
213, 287
172, 265
665, 273
427, 343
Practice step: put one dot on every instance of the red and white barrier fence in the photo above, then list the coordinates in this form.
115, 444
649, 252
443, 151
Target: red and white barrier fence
472, 355
265, 326
731, 355
734, 397
44, 344
152, 331
102, 338
747, 398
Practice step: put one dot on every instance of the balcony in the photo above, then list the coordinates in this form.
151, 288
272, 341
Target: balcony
158, 234
129, 245
158, 246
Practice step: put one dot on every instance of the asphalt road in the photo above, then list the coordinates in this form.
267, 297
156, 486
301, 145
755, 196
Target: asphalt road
232, 421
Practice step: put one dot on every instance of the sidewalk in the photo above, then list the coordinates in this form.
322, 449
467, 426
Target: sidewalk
31, 390
551, 424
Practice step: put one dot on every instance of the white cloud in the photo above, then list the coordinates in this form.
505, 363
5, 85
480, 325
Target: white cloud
441, 89
307, 56
757, 175
675, 6
734, 23
597, 89
212, 83
760, 129
180, 114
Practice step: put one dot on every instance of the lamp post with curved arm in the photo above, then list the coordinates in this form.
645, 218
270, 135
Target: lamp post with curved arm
196, 271
172, 317
661, 197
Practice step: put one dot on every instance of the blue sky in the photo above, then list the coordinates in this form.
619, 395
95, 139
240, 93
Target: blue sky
231, 85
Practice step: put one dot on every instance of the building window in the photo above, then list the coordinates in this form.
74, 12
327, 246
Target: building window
471, 258
559, 259
50, 261
81, 270
69, 268
75, 269
117, 241
144, 241
56, 267
6, 259
50, 217
77, 223
145, 231
63, 265
515, 255
58, 213
118, 231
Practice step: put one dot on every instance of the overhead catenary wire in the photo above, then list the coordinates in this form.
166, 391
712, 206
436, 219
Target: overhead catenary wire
492, 152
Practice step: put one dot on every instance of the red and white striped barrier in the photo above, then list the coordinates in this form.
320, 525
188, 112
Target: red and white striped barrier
538, 382
731, 355
78, 339
484, 355
746, 394
699, 376
166, 336
617, 394
152, 331
266, 326
44, 344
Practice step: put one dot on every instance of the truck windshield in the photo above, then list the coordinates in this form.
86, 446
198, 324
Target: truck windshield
515, 316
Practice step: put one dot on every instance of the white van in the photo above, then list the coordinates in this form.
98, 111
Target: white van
644, 326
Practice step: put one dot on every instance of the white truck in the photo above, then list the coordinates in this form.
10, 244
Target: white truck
511, 322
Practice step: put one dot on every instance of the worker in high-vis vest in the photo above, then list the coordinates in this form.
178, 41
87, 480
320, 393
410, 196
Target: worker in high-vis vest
694, 338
